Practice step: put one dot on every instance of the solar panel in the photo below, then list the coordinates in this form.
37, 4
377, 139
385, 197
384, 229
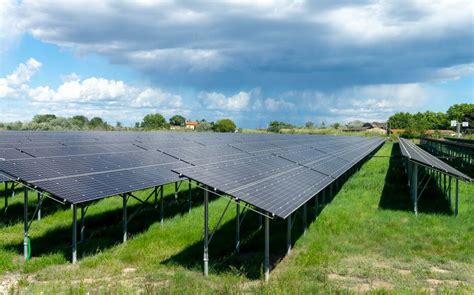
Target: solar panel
417, 154
280, 183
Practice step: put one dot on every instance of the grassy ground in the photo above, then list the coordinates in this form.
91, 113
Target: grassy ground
365, 240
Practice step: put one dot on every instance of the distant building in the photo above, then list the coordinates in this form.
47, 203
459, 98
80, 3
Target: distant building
372, 125
191, 124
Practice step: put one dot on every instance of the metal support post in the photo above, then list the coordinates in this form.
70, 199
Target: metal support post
190, 201
316, 205
124, 221
305, 219
162, 211
449, 190
414, 187
83, 226
206, 233
288, 235
39, 208
74, 234
456, 208
267, 248
6, 197
324, 198
260, 221
237, 227
25, 228
155, 196
176, 191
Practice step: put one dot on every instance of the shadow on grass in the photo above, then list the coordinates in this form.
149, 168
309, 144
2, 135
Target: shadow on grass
249, 262
14, 214
104, 230
396, 192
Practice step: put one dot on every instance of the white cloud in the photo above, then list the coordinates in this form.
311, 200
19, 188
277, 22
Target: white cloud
94, 96
214, 100
273, 104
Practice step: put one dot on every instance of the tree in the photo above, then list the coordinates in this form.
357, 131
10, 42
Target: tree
43, 118
96, 122
400, 120
309, 125
177, 120
336, 125
80, 121
276, 126
154, 122
204, 126
118, 124
323, 125
137, 125
463, 112
225, 125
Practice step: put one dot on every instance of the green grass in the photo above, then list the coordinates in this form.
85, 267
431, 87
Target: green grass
366, 239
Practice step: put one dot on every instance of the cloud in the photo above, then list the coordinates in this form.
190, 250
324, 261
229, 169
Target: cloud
218, 101
284, 45
90, 96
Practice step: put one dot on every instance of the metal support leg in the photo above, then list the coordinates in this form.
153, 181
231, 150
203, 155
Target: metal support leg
267, 248
6, 198
237, 227
331, 190
206, 233
124, 218
305, 219
288, 235
449, 189
316, 205
162, 202
74, 234
83, 227
25, 228
39, 208
456, 208
176, 191
155, 196
190, 200
414, 187
260, 221
324, 198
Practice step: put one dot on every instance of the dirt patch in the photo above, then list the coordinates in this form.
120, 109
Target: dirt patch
404, 272
438, 270
8, 282
129, 270
435, 282
359, 284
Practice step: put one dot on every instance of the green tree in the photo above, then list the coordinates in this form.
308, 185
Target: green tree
225, 125
177, 120
43, 118
97, 122
400, 120
463, 112
80, 121
154, 122
276, 126
204, 126
309, 125
336, 125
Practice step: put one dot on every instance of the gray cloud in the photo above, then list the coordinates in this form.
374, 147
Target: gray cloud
272, 44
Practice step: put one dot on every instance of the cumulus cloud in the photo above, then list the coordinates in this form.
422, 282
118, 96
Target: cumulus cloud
218, 101
93, 95
244, 44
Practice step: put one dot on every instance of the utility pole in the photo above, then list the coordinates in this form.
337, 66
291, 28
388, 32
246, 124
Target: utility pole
458, 125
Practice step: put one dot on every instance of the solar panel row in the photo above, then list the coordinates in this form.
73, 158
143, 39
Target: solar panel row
417, 154
276, 173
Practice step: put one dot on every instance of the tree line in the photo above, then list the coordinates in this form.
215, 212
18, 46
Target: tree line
82, 123
420, 122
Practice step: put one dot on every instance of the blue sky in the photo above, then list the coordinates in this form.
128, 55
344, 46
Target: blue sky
252, 61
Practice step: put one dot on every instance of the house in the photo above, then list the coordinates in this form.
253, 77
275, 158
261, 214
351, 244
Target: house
372, 125
191, 124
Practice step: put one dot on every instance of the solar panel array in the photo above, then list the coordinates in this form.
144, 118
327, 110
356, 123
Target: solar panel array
276, 173
417, 154
283, 179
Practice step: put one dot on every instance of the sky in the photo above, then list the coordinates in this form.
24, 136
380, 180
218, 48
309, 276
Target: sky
251, 61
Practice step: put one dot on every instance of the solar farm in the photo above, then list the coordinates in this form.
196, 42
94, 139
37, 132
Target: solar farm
241, 204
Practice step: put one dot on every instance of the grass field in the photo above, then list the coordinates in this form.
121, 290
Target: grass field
365, 240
